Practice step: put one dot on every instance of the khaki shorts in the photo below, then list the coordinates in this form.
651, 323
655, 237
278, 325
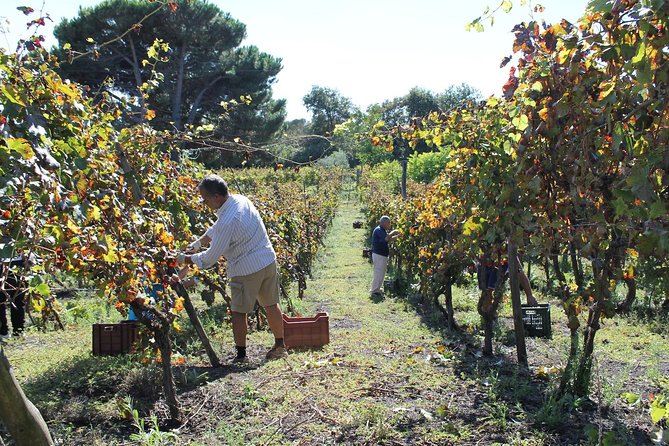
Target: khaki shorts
262, 286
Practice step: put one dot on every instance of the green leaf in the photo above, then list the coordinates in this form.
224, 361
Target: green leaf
508, 147
10, 94
43, 289
630, 397
20, 145
657, 412
619, 206
658, 209
507, 5
640, 54
94, 213
521, 122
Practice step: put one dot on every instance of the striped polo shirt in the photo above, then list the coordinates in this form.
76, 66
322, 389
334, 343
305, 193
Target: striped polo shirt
240, 236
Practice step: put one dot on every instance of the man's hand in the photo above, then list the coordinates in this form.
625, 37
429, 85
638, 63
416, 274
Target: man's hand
194, 247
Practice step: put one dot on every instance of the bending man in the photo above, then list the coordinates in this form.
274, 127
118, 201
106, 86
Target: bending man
240, 236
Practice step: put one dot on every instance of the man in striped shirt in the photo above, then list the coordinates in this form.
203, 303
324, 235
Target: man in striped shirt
240, 236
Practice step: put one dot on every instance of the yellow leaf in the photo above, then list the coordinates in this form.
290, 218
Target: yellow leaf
543, 113
149, 115
470, 226
507, 5
72, 226
39, 304
605, 89
95, 213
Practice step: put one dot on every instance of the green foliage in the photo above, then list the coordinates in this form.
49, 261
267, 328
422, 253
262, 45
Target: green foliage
201, 74
659, 407
425, 167
336, 159
147, 435
609, 438
556, 409
328, 108
387, 175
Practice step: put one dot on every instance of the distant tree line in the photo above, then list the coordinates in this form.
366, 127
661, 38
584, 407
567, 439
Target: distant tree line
210, 79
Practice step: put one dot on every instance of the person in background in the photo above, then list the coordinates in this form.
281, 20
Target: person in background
380, 253
240, 236
12, 295
491, 270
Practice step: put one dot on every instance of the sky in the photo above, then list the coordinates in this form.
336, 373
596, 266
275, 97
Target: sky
368, 50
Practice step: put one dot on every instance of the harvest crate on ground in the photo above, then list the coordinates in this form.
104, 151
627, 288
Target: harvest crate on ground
114, 339
306, 331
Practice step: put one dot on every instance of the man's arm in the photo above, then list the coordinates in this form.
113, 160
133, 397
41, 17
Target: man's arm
392, 235
197, 244
206, 259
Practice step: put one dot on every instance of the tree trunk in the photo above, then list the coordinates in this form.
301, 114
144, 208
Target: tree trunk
547, 273
403, 162
447, 311
558, 272
521, 350
487, 307
488, 325
626, 305
165, 345
21, 418
138, 78
576, 267
195, 320
601, 295
178, 93
196, 103
450, 313
582, 378
568, 372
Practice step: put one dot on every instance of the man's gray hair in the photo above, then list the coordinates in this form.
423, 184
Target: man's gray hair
214, 185
384, 219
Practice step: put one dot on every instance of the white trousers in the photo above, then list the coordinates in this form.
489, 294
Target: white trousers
380, 266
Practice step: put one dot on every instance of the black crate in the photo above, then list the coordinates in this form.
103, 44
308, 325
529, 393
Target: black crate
537, 320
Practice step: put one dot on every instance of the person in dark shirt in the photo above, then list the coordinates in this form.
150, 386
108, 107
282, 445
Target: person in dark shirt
380, 252
12, 295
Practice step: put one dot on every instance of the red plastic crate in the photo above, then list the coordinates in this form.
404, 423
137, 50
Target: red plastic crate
306, 331
114, 339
